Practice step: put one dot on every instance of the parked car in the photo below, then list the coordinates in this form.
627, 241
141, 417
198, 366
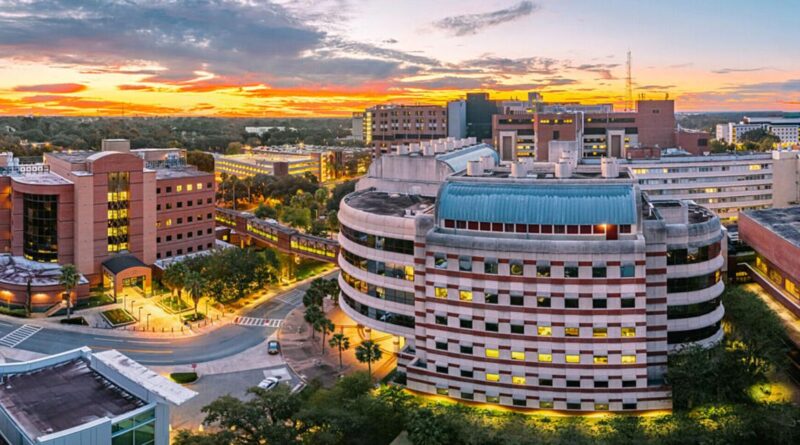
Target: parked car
273, 347
269, 383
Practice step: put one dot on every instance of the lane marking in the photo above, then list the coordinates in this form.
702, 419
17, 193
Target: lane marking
19, 335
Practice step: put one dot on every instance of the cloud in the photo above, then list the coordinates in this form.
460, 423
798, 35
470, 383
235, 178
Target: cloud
52, 88
508, 66
468, 24
603, 69
738, 70
131, 87
655, 87
786, 86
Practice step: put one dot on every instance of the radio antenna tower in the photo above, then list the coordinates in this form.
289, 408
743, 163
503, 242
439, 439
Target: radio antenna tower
629, 86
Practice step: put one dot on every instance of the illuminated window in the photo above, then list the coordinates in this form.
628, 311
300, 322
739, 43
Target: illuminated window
465, 295
572, 358
601, 406
545, 358
518, 380
599, 332
628, 359
492, 377
629, 332
439, 292
517, 355
199, 186
179, 188
189, 188
572, 332
492, 353
755, 167
600, 359
544, 331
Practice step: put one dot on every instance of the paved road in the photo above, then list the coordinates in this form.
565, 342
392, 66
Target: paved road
223, 342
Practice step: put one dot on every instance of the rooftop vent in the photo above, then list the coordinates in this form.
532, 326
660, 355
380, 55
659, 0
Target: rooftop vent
609, 168
402, 149
563, 169
518, 170
474, 168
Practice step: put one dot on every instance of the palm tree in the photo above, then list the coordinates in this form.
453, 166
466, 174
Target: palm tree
340, 342
325, 327
195, 286
69, 279
312, 314
175, 277
368, 352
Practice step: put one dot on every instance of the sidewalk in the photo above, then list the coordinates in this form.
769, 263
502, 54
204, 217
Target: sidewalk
305, 357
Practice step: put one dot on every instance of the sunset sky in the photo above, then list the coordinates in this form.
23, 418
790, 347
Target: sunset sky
312, 58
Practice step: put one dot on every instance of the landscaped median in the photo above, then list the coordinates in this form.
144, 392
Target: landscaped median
183, 377
118, 317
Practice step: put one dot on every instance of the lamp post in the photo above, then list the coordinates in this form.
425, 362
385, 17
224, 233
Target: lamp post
140, 312
147, 325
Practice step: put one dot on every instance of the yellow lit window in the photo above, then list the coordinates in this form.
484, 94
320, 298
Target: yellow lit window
628, 359
545, 358
409, 271
189, 187
518, 380
572, 332
572, 358
465, 295
600, 332
755, 167
179, 188
544, 331
629, 332
600, 359
493, 353
199, 186
169, 222
517, 355
492, 377
440, 292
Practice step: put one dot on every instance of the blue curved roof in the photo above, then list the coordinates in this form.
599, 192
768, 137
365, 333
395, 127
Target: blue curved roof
557, 204
457, 160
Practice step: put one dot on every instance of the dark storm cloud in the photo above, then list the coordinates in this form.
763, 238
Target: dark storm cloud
467, 24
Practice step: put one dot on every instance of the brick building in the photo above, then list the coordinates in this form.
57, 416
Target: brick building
388, 125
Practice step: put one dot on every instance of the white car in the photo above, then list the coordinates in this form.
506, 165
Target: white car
269, 383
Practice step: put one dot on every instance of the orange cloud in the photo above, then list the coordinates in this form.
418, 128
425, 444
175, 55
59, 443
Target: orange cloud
52, 88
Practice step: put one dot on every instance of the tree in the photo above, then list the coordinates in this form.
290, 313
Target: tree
69, 279
234, 148
195, 287
325, 326
264, 211
368, 352
313, 297
311, 316
202, 160
339, 192
341, 343
174, 277
321, 195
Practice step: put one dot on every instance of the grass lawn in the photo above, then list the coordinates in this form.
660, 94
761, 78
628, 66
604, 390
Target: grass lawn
183, 377
172, 304
14, 311
191, 317
94, 300
118, 317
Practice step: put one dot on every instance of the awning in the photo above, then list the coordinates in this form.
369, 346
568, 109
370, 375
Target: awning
119, 263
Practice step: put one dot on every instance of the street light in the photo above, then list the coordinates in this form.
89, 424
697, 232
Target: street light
147, 325
140, 312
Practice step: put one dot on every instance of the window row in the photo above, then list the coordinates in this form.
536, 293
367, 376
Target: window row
179, 204
517, 299
189, 249
179, 236
378, 242
609, 230
392, 270
377, 314
693, 254
383, 293
693, 310
541, 381
542, 404
189, 219
692, 284
516, 267
542, 330
693, 335
188, 187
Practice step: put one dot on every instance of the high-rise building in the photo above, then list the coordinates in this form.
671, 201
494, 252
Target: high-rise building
457, 119
111, 213
480, 110
536, 285
389, 125
787, 129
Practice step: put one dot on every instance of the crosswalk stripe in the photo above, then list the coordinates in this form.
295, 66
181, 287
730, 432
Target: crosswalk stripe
251, 321
19, 335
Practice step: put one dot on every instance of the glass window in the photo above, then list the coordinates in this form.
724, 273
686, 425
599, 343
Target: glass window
543, 301
571, 271
466, 324
493, 353
465, 263
599, 272
627, 270
516, 300
465, 295
571, 303
601, 406
599, 303
440, 261
572, 332
442, 391
491, 377
628, 359
572, 358
628, 332
468, 395
440, 292
516, 268
40, 227
573, 383
543, 270
518, 380
544, 331
490, 267
599, 332
492, 399
628, 302
600, 359
441, 319
545, 404
490, 298
545, 382
601, 383
441, 345
517, 355
467, 373
629, 383
491, 327
545, 358
465, 349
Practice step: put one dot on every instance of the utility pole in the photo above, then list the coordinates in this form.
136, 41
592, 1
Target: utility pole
629, 86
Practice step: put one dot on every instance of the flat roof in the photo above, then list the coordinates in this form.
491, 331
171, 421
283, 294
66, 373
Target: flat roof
63, 396
74, 156
175, 173
783, 222
41, 179
390, 204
